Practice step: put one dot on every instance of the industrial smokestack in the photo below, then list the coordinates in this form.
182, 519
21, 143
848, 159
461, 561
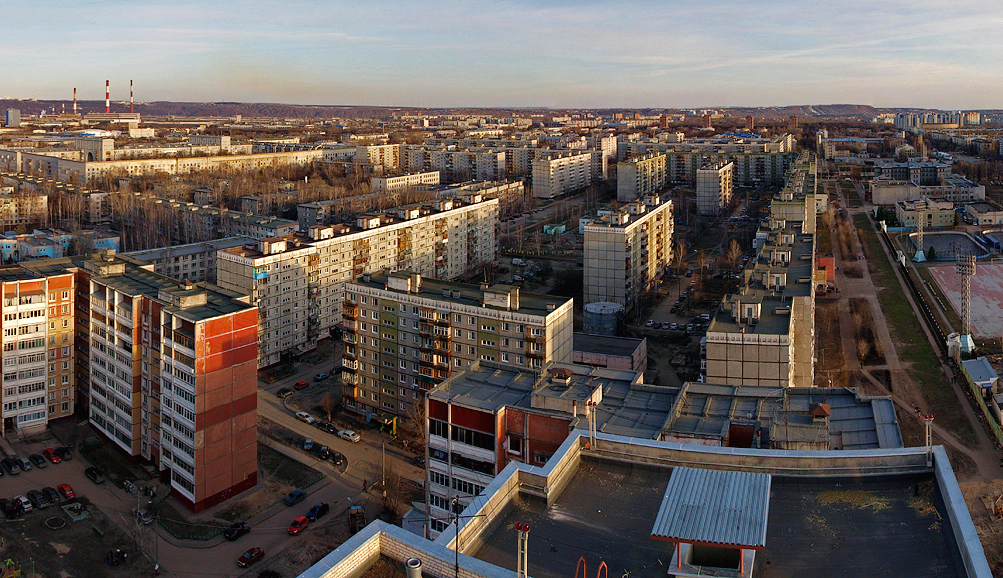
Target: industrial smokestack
107, 96
130, 96
74, 100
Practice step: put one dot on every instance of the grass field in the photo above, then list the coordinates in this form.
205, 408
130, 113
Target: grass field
912, 344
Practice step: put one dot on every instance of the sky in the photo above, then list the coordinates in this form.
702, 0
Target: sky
501, 53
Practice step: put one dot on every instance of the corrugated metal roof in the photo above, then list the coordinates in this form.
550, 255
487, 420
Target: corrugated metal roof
714, 507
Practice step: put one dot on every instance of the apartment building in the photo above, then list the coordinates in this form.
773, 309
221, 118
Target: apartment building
403, 334
401, 183
456, 165
38, 349
757, 161
626, 250
297, 280
172, 374
640, 176
510, 194
714, 186
921, 172
23, 209
563, 172
194, 262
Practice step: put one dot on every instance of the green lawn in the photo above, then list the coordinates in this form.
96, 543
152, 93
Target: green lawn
914, 348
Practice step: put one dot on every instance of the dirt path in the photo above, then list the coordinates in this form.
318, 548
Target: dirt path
904, 392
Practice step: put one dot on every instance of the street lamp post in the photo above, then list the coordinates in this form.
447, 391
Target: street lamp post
456, 540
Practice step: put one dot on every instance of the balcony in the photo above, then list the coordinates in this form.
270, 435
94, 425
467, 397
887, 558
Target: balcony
350, 314
535, 338
536, 354
350, 390
348, 355
349, 338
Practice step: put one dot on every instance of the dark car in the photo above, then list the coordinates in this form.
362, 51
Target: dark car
284, 392
301, 384
321, 376
37, 499
418, 461
64, 453
250, 557
38, 460
318, 510
10, 466
50, 494
329, 427
294, 497
235, 531
11, 509
95, 475
337, 458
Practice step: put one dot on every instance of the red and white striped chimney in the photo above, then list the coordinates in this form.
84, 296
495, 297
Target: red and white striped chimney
130, 96
107, 96
74, 100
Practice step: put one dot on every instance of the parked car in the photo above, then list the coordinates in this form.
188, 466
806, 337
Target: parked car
37, 499
11, 509
23, 462
298, 524
236, 530
649, 323
10, 466
305, 417
674, 326
24, 502
284, 392
308, 444
52, 455
67, 491
301, 385
318, 510
38, 460
64, 453
50, 494
418, 461
337, 458
321, 376
294, 497
324, 453
95, 475
347, 434
250, 557
143, 515
689, 327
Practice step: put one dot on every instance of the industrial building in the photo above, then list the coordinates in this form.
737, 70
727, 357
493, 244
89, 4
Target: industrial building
714, 187
626, 250
638, 177
403, 334
954, 188
296, 280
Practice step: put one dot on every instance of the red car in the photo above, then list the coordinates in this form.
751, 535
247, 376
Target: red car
298, 524
250, 557
301, 385
51, 455
66, 491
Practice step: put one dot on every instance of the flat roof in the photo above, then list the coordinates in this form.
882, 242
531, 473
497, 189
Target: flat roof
875, 526
470, 295
980, 370
605, 344
718, 507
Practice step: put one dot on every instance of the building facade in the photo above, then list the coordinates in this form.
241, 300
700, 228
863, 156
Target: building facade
401, 183
638, 177
297, 280
714, 186
404, 334
563, 172
626, 250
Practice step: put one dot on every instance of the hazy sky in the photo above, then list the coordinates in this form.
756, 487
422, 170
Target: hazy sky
577, 53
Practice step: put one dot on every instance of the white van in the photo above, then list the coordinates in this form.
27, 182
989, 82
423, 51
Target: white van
518, 262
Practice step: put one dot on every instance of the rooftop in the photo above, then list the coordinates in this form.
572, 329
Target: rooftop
465, 294
616, 346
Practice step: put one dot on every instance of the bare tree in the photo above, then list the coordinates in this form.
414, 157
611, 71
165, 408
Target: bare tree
734, 253
328, 404
702, 260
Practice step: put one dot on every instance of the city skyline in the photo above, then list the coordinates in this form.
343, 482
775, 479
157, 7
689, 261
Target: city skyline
510, 54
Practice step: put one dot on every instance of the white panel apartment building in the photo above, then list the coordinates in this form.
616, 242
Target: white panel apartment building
626, 250
564, 172
456, 165
401, 183
297, 280
714, 185
640, 176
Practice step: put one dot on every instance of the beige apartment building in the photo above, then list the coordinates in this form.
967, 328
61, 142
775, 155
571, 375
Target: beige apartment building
626, 250
563, 172
404, 334
401, 183
296, 280
714, 186
641, 176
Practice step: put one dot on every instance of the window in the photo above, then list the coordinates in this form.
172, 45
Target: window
471, 321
